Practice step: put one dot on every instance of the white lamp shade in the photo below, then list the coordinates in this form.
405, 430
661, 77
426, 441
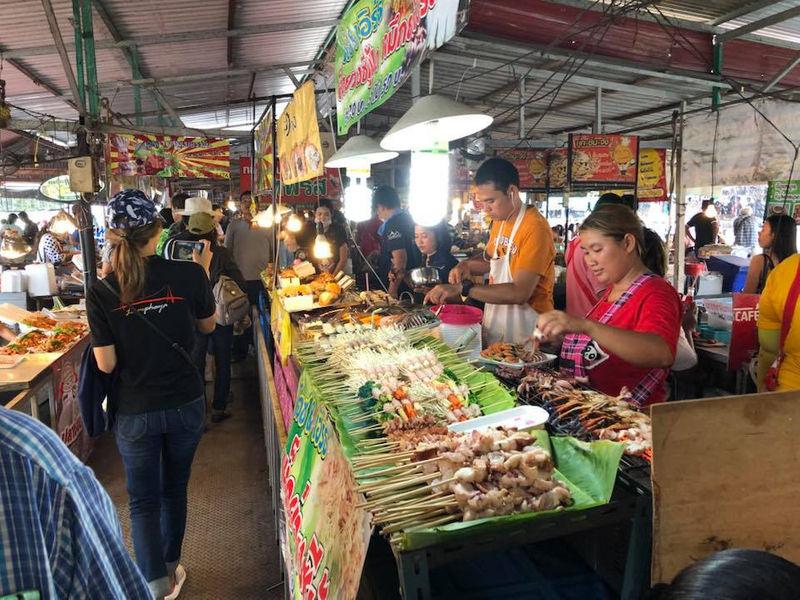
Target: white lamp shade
433, 120
359, 151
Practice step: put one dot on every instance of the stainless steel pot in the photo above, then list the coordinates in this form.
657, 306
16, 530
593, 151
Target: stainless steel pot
424, 276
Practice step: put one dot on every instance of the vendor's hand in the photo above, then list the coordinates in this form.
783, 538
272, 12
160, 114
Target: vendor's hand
459, 273
203, 258
556, 324
443, 293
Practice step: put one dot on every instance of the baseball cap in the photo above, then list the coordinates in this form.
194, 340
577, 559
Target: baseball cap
129, 209
195, 205
201, 223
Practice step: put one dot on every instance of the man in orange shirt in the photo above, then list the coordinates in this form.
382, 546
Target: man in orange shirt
519, 259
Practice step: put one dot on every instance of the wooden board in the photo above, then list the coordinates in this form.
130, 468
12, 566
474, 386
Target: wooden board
725, 475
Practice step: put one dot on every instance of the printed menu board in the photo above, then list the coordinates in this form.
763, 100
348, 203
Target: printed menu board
532, 167
557, 168
597, 160
652, 175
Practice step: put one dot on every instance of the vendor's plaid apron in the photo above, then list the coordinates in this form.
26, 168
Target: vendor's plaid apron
575, 344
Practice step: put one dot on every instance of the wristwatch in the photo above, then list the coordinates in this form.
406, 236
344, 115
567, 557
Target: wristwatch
466, 286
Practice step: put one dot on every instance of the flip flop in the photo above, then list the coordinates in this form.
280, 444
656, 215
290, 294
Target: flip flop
180, 579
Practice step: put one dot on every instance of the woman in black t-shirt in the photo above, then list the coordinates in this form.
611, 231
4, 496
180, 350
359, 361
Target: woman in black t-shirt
157, 393
336, 234
434, 244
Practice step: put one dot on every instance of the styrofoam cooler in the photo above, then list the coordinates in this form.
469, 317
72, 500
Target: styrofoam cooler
13, 281
461, 328
41, 279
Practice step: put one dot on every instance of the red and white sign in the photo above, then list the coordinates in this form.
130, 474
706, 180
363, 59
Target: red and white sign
744, 331
245, 174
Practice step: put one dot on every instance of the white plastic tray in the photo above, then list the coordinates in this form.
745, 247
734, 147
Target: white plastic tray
519, 417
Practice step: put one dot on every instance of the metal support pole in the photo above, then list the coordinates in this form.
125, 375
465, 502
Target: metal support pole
76, 23
716, 95
137, 91
680, 212
415, 84
598, 111
522, 132
275, 189
89, 59
430, 76
86, 227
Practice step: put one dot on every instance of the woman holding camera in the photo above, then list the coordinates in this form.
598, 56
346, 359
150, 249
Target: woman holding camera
157, 395
202, 228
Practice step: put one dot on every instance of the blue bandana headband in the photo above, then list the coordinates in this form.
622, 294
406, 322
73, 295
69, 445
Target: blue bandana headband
130, 209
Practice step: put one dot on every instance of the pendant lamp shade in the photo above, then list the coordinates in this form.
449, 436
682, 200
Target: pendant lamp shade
359, 151
433, 120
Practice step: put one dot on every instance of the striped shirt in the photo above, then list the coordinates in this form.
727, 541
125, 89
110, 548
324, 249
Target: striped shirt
59, 533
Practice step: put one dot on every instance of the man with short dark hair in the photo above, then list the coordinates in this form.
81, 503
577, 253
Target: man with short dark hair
705, 224
399, 254
60, 533
178, 205
29, 228
519, 258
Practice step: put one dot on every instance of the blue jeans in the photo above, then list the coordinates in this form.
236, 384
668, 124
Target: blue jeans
218, 343
157, 450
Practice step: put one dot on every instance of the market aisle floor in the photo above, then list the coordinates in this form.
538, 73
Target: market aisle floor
230, 550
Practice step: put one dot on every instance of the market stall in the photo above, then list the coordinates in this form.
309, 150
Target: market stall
40, 369
355, 391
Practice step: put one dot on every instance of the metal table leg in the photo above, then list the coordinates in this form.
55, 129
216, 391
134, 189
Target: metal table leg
412, 568
636, 579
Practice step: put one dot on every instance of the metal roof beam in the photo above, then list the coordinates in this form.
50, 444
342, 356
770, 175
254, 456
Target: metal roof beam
782, 73
486, 44
62, 53
231, 22
189, 36
775, 19
38, 80
132, 61
682, 23
192, 77
592, 82
72, 127
742, 11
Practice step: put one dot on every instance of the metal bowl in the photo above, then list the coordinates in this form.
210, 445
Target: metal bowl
424, 276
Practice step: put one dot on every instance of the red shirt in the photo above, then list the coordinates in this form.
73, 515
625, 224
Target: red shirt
367, 234
654, 308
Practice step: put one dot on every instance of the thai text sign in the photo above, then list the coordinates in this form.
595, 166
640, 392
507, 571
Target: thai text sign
652, 175
596, 159
744, 331
532, 167
326, 534
378, 44
299, 148
264, 155
165, 156
557, 168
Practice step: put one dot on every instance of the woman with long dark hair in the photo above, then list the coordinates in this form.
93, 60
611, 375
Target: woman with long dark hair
629, 339
778, 240
158, 395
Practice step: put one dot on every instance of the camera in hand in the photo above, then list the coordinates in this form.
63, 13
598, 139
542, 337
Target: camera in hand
181, 249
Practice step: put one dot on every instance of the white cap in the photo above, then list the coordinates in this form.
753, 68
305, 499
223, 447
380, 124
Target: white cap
195, 205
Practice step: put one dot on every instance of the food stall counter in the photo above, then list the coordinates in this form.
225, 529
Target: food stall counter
23, 375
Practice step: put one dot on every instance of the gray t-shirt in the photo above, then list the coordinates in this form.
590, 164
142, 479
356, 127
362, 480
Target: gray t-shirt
251, 247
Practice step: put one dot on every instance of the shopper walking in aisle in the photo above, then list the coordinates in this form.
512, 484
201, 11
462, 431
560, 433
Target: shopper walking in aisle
178, 225
143, 319
745, 230
251, 247
47, 494
219, 343
778, 241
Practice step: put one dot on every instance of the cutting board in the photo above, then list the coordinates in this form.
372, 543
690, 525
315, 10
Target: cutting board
724, 476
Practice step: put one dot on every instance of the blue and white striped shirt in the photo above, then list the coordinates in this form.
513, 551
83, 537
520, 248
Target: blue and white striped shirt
59, 533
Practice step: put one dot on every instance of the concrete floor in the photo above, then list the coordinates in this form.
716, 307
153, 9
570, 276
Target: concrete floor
230, 550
